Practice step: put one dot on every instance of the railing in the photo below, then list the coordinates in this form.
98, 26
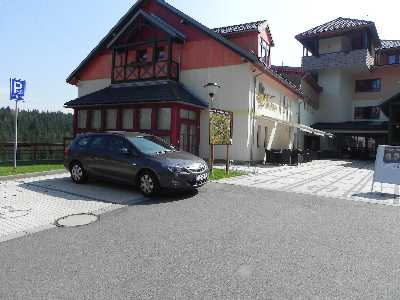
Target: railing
146, 71
34, 152
353, 58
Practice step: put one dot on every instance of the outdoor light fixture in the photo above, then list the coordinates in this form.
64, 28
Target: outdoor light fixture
212, 89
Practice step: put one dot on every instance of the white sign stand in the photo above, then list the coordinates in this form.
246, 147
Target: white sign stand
387, 167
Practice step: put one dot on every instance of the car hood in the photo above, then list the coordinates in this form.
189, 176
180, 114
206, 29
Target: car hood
179, 158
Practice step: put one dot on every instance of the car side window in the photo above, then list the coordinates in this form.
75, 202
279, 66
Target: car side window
98, 143
83, 142
117, 143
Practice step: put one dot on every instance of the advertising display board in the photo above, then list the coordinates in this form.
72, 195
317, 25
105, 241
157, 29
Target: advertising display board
221, 126
387, 165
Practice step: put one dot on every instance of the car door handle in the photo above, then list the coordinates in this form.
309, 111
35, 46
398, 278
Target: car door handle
134, 164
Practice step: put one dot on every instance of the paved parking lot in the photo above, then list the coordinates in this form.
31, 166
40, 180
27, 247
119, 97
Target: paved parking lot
30, 205
326, 178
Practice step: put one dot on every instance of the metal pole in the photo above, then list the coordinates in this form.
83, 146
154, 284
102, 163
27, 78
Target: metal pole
16, 135
211, 145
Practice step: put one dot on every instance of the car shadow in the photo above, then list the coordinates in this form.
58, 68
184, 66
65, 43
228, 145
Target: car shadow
99, 191
377, 196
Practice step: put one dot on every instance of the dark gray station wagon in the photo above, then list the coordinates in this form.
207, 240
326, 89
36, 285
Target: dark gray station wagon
134, 158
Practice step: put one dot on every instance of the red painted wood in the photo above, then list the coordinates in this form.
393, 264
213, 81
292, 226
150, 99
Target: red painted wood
175, 119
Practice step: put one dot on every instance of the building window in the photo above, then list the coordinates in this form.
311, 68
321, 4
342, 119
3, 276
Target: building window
367, 113
258, 136
187, 114
141, 55
264, 51
164, 118
161, 54
82, 117
111, 119
95, 119
145, 118
368, 85
127, 119
393, 59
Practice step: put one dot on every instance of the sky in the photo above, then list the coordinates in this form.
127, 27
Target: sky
43, 41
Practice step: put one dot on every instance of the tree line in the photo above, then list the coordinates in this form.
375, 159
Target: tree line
35, 126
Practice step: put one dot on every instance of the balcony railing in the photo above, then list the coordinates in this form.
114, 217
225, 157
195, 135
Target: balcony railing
145, 71
350, 59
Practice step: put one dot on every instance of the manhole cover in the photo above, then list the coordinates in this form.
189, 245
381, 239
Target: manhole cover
76, 220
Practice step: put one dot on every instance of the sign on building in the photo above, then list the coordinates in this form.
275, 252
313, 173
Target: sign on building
221, 126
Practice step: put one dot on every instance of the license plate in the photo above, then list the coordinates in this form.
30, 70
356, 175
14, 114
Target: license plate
201, 177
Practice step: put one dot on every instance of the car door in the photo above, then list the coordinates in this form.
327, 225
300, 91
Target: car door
123, 161
97, 156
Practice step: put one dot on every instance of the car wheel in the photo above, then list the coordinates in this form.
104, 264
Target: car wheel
78, 173
148, 183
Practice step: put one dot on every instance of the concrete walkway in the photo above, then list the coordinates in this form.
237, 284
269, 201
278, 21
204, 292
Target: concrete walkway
327, 178
34, 204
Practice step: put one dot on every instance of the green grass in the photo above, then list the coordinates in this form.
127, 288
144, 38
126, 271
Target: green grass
7, 170
220, 174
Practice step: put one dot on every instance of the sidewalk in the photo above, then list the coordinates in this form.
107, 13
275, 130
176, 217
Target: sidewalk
349, 180
33, 204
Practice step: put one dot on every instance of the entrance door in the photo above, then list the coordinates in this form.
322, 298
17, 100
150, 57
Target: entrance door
188, 137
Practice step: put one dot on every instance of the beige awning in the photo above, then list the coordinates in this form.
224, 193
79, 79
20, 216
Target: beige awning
301, 127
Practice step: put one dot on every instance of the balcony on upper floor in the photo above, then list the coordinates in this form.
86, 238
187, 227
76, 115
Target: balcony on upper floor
354, 59
144, 61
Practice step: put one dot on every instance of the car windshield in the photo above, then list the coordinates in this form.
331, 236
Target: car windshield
150, 144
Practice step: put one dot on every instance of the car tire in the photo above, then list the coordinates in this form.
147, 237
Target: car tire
78, 173
148, 183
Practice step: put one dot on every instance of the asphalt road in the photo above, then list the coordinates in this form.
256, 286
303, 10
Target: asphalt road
226, 242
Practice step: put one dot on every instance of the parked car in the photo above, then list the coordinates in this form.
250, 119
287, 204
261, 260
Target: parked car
134, 158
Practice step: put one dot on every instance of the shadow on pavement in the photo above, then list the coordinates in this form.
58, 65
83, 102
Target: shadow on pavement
375, 196
100, 191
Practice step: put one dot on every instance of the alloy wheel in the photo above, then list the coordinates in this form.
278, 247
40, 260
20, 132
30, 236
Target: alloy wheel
147, 184
77, 172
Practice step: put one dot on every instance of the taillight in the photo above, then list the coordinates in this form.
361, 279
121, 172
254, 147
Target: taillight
66, 152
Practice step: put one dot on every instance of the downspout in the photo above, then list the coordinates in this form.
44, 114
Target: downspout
253, 116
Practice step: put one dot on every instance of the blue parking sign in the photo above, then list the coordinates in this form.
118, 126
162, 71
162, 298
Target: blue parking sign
17, 89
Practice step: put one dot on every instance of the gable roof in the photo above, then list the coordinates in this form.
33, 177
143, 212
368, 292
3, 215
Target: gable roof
190, 20
149, 92
389, 44
246, 27
218, 37
337, 26
155, 20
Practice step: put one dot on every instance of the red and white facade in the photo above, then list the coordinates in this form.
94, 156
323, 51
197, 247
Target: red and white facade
148, 75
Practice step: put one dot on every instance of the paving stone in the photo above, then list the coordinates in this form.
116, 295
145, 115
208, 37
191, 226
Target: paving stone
326, 178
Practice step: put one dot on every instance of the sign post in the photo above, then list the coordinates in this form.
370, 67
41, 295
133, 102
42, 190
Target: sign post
221, 128
17, 93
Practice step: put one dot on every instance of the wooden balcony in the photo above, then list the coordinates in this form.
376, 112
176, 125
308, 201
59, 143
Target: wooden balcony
145, 71
145, 61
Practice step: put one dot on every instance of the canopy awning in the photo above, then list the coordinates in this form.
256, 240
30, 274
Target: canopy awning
301, 127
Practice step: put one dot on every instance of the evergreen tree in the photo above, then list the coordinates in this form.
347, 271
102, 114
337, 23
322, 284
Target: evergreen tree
35, 126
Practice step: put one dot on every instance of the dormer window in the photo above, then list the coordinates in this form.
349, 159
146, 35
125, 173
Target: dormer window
264, 52
393, 59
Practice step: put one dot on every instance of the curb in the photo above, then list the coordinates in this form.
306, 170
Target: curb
31, 175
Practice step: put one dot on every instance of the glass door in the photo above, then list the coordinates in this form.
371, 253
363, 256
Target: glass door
188, 139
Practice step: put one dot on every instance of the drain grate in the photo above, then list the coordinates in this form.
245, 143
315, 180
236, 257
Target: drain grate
76, 220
